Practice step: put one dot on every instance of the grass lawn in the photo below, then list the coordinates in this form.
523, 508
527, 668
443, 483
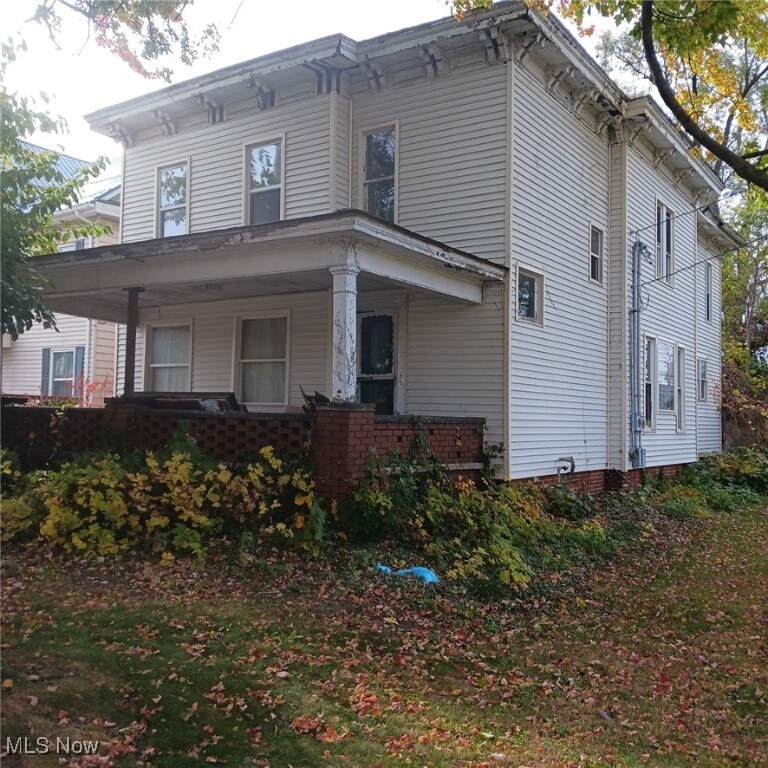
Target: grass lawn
659, 658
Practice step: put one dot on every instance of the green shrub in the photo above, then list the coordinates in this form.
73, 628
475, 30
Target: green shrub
741, 467
167, 503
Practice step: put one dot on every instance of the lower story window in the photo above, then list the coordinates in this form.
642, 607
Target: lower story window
62, 372
650, 379
169, 358
376, 356
666, 378
263, 362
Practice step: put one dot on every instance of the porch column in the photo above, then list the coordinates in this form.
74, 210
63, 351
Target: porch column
343, 357
132, 322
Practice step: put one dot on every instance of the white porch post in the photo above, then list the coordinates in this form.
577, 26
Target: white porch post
344, 354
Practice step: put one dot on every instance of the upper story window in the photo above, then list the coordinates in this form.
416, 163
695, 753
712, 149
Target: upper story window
172, 199
665, 251
596, 244
265, 184
708, 293
379, 173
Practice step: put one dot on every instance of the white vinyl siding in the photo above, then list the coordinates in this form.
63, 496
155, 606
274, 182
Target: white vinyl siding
450, 175
668, 315
22, 361
559, 372
214, 342
216, 161
448, 343
708, 349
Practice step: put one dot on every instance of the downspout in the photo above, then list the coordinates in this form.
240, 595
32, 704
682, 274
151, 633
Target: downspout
636, 418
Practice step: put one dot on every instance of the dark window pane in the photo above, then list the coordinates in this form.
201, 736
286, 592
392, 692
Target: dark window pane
382, 393
380, 199
376, 345
526, 296
595, 269
380, 155
264, 339
265, 206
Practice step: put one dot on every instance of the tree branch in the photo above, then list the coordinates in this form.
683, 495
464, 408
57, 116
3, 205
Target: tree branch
741, 166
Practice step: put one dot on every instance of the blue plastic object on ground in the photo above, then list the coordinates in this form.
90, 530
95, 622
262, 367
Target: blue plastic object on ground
427, 575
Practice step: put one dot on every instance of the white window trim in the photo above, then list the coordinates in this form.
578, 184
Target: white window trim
147, 384
680, 381
709, 292
273, 138
540, 293
59, 351
679, 399
651, 376
158, 218
667, 279
237, 373
699, 379
361, 196
602, 230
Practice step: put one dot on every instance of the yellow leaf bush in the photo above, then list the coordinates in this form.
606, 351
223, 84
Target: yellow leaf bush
170, 503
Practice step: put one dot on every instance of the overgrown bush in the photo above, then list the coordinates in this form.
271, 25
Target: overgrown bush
740, 468
168, 503
492, 538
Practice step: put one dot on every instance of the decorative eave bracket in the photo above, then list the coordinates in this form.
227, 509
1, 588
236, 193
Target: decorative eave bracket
496, 47
434, 62
166, 121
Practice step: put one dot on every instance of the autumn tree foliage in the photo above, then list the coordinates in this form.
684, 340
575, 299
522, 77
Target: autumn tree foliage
145, 34
33, 187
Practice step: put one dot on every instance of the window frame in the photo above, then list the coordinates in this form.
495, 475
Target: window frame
665, 243
701, 393
159, 229
52, 378
680, 399
394, 376
363, 181
650, 381
149, 366
238, 360
538, 318
275, 138
709, 283
600, 257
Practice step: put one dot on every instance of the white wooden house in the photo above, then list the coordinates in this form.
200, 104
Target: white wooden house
442, 221
79, 358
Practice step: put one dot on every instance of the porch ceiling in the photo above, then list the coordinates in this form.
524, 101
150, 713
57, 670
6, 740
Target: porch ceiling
290, 256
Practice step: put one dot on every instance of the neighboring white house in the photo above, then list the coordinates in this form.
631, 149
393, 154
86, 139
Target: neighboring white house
443, 220
79, 359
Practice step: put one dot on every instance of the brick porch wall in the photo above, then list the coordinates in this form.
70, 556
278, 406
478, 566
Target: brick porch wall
343, 439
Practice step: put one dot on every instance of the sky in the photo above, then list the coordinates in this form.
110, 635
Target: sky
80, 77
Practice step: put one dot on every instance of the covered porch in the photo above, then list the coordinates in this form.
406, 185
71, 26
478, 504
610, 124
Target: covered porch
319, 303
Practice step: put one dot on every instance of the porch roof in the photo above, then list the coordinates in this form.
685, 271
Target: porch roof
288, 256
